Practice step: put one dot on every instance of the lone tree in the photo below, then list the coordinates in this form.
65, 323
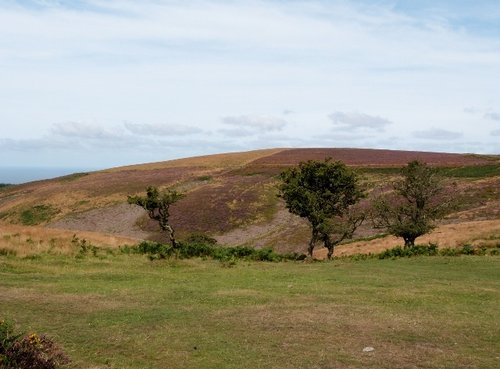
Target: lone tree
324, 193
418, 200
157, 204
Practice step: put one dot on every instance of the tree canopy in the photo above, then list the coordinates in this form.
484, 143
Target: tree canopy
323, 192
157, 204
417, 201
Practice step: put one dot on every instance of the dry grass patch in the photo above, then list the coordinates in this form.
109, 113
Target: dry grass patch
476, 233
25, 241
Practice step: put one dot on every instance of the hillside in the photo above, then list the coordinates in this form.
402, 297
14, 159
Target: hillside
231, 196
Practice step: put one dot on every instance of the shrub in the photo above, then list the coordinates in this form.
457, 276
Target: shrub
449, 251
430, 250
38, 214
35, 352
467, 249
185, 250
7, 252
32, 351
200, 238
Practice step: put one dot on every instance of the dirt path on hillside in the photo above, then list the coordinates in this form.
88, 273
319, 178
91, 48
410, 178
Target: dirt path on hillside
118, 219
275, 232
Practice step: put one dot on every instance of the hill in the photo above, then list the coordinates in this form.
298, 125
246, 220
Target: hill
231, 196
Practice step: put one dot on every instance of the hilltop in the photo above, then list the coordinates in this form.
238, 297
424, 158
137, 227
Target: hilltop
233, 196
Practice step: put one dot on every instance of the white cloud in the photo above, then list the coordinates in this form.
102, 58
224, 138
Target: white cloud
495, 133
84, 130
493, 116
178, 61
161, 129
437, 134
354, 121
255, 123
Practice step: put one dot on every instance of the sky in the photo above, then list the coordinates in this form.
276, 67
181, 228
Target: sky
107, 83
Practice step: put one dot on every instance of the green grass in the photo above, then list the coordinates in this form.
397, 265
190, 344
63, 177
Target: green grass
37, 214
471, 171
127, 312
475, 171
72, 177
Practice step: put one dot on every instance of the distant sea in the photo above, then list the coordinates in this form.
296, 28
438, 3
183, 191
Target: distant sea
17, 175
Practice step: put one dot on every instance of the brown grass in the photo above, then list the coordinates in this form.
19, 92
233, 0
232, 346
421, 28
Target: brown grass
217, 161
25, 241
370, 157
449, 235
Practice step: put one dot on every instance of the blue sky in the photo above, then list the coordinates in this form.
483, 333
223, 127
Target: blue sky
109, 83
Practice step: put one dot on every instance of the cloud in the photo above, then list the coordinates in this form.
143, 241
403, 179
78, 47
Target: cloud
37, 144
353, 121
83, 130
472, 110
492, 116
437, 134
253, 124
236, 132
161, 129
495, 133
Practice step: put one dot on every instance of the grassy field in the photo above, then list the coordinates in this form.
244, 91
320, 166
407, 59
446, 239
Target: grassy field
127, 312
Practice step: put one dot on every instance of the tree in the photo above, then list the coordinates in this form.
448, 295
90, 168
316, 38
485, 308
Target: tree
415, 204
323, 193
157, 204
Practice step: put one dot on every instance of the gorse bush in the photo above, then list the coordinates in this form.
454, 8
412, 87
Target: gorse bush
432, 249
31, 351
38, 214
428, 250
186, 250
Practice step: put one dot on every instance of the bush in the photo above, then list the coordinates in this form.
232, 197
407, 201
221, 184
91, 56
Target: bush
32, 351
38, 214
467, 249
449, 252
430, 250
197, 248
35, 352
200, 238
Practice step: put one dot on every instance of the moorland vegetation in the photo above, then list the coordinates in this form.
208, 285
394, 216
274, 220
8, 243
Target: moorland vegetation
196, 303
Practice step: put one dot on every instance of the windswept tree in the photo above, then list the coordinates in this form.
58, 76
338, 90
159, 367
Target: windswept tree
417, 201
157, 204
324, 193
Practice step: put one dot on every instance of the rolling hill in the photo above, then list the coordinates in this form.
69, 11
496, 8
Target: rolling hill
233, 196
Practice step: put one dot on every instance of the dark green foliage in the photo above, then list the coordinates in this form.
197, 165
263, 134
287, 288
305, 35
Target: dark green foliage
18, 351
84, 247
428, 250
201, 238
467, 249
3, 185
323, 193
157, 204
7, 252
432, 250
72, 177
38, 214
417, 201
185, 250
203, 178
475, 171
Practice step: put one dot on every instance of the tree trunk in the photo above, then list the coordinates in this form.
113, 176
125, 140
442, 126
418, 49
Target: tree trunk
171, 235
312, 243
330, 246
409, 241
